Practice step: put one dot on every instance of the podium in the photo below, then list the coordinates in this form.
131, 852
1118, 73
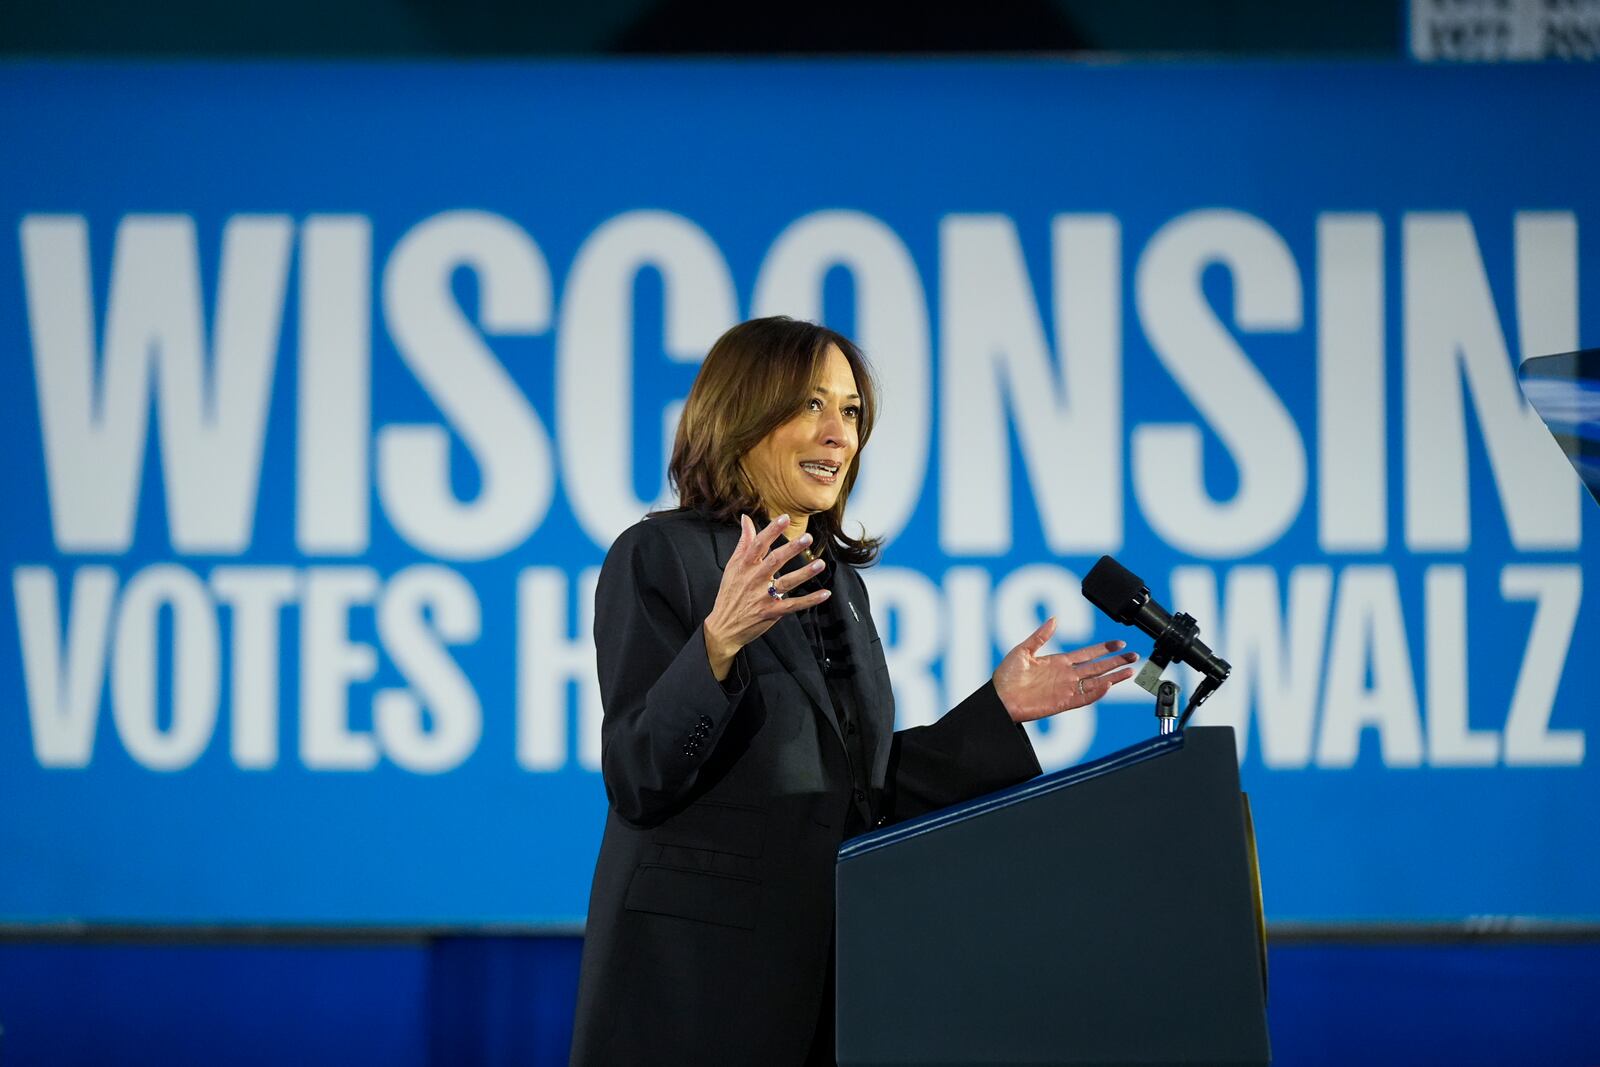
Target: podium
1103, 914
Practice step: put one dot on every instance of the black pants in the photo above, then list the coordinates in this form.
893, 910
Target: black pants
822, 1044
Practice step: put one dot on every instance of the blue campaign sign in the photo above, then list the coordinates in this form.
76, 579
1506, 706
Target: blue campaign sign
326, 387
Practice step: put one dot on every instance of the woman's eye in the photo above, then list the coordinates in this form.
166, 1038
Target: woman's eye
814, 404
852, 412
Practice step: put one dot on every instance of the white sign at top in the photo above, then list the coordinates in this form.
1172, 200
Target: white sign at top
1498, 31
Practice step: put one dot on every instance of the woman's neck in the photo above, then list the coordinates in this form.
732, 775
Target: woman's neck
797, 523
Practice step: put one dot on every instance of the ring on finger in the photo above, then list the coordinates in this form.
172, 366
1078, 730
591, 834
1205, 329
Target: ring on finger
1080, 687
773, 592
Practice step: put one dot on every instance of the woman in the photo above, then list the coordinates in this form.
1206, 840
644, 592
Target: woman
749, 723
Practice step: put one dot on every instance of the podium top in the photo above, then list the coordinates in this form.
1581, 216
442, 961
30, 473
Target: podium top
1017, 794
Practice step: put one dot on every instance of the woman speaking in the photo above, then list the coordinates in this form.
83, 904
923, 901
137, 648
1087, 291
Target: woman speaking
749, 723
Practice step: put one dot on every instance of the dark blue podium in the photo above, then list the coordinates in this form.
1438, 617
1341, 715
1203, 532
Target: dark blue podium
1103, 914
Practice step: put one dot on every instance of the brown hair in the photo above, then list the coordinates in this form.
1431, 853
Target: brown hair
755, 378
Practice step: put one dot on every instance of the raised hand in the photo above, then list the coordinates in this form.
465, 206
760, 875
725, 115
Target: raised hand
1032, 686
746, 607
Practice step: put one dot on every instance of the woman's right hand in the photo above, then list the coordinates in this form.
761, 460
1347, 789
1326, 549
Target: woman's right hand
745, 608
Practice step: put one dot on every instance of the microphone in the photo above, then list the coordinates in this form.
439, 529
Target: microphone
1123, 596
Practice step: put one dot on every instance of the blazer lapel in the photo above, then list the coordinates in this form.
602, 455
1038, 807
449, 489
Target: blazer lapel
877, 706
787, 640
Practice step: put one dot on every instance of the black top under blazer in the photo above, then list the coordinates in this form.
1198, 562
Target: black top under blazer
711, 915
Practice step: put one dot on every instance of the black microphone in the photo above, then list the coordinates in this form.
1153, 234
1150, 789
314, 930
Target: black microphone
1123, 596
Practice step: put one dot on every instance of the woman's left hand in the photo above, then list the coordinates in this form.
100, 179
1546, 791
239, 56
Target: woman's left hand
1032, 686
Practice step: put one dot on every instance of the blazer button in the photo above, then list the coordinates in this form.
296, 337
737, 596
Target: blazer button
860, 796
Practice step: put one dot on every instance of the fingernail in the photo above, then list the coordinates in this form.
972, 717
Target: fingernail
816, 566
781, 518
826, 593
805, 539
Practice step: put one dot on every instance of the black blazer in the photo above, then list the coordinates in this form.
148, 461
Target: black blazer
711, 915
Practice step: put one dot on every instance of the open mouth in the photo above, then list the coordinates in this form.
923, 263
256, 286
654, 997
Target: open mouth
822, 472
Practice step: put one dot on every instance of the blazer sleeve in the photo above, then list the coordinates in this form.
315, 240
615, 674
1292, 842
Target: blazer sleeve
663, 708
973, 749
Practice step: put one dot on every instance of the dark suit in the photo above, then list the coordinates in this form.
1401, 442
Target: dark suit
711, 915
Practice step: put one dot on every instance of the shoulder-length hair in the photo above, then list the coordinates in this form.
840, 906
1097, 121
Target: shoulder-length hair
755, 378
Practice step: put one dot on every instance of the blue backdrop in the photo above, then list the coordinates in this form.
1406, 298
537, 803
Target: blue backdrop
325, 388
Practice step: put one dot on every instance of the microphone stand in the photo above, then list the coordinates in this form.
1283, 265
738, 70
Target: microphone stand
1207, 686
1170, 645
1167, 707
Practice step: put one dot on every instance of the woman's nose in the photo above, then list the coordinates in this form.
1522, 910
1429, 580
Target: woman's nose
832, 429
